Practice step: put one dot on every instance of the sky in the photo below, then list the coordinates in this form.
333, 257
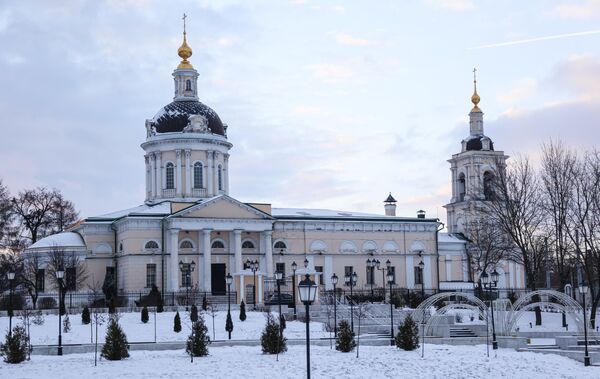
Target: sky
330, 104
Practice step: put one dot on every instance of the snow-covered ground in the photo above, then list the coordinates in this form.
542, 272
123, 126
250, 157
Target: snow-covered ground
374, 362
137, 331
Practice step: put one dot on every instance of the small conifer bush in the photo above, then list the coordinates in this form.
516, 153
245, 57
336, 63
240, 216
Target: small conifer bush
15, 347
194, 313
85, 316
177, 323
242, 311
198, 341
204, 304
229, 323
271, 340
345, 338
408, 334
115, 346
144, 315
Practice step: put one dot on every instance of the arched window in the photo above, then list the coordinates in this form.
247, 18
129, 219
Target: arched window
151, 245
218, 245
488, 189
220, 178
188, 85
279, 245
186, 245
247, 245
461, 187
197, 175
170, 176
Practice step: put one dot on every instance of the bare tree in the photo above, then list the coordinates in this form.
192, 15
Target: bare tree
29, 277
516, 209
74, 267
5, 215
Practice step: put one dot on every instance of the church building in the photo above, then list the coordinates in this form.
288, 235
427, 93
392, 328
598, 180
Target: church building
189, 232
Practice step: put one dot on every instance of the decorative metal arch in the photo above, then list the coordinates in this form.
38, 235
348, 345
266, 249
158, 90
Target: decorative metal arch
423, 308
434, 320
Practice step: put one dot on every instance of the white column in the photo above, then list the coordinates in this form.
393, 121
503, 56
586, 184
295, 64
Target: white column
237, 237
207, 258
153, 174
427, 271
410, 272
160, 174
259, 289
465, 271
174, 261
214, 173
226, 173
209, 173
178, 181
241, 288
268, 235
188, 177
328, 272
518, 276
448, 268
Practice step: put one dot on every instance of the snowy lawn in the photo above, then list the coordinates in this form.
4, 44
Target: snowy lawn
374, 362
47, 334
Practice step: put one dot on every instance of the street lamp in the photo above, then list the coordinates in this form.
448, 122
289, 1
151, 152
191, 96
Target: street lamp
11, 278
583, 289
60, 274
307, 290
388, 264
253, 265
370, 265
229, 280
390, 280
294, 267
334, 281
350, 280
279, 276
187, 269
421, 267
490, 282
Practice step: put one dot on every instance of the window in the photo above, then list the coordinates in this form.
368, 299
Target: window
319, 270
488, 190
186, 275
150, 275
197, 175
188, 85
218, 245
370, 275
279, 245
186, 245
170, 176
220, 178
280, 267
418, 276
461, 187
348, 270
71, 276
151, 245
392, 270
40, 279
247, 245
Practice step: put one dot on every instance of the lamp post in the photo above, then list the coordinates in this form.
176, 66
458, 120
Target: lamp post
60, 274
307, 291
334, 280
583, 290
421, 267
370, 265
229, 280
11, 278
388, 264
253, 265
278, 277
187, 271
350, 280
390, 280
294, 267
490, 285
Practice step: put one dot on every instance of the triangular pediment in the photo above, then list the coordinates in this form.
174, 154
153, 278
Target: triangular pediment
223, 207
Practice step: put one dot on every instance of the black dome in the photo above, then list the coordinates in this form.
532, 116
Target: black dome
174, 117
476, 144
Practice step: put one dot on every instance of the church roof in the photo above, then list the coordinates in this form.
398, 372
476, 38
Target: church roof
174, 117
475, 143
62, 240
390, 199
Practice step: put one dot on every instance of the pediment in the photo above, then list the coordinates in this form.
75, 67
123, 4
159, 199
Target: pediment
223, 207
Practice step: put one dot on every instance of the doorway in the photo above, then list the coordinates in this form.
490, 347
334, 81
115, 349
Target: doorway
217, 273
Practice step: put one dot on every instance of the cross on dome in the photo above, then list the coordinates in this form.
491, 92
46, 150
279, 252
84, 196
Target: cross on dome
184, 50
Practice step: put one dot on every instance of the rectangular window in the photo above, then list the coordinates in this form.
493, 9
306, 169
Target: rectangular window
71, 276
348, 270
418, 276
319, 270
40, 279
186, 276
370, 275
150, 275
280, 267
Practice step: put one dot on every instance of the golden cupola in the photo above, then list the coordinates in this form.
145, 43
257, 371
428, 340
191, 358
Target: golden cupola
475, 99
184, 50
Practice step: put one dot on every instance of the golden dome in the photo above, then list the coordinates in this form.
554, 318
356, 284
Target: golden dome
475, 99
184, 52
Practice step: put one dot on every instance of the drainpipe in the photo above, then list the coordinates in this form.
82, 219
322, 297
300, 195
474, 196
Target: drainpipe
439, 228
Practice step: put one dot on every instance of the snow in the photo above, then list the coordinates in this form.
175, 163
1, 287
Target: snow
440, 361
296, 212
47, 334
65, 239
163, 208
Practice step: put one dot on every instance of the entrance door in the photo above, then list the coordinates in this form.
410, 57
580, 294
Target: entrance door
217, 272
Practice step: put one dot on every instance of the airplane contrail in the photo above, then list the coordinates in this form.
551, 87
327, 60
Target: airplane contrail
529, 40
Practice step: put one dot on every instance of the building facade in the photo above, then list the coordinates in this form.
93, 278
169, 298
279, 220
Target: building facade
190, 232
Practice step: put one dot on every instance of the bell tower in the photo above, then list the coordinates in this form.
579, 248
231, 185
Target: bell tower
185, 76
472, 170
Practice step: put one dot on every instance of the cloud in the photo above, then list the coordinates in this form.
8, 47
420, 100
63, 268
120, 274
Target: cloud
331, 73
523, 90
579, 74
584, 10
454, 5
346, 39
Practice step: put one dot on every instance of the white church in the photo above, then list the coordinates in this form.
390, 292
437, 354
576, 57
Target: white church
189, 232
